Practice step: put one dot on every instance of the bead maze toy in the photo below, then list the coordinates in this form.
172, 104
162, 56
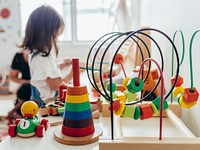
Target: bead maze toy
138, 109
78, 127
30, 125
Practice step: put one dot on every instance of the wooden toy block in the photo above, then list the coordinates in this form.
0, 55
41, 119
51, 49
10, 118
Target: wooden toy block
78, 115
130, 96
73, 107
146, 111
61, 88
77, 99
190, 96
78, 123
77, 90
132, 87
154, 108
116, 104
179, 81
76, 72
154, 74
121, 96
129, 111
44, 111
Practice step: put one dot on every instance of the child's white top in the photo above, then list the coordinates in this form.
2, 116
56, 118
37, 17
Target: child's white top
41, 68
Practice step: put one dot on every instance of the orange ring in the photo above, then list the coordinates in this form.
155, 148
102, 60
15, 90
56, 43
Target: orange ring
77, 90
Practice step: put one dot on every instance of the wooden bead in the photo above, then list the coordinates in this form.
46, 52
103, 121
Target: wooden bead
118, 59
121, 96
77, 123
114, 96
178, 90
129, 111
156, 102
120, 110
130, 96
132, 87
191, 96
116, 105
179, 81
114, 87
154, 108
185, 104
120, 87
137, 113
125, 82
146, 111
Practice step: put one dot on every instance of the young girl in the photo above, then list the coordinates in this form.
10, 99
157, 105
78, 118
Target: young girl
43, 28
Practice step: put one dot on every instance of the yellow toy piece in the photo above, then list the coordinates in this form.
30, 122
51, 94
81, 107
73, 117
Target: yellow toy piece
121, 96
120, 110
154, 108
178, 90
77, 99
185, 104
29, 108
125, 82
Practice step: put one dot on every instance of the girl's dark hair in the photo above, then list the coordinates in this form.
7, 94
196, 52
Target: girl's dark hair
24, 92
41, 30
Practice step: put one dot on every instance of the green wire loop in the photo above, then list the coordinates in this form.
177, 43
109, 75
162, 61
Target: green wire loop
183, 53
190, 55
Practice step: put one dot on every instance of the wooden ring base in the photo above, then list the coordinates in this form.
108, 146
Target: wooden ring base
68, 140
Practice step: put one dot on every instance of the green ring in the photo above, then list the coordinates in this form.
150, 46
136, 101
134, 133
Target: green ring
77, 107
135, 88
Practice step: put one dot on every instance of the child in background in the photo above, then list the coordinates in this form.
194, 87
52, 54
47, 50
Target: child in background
23, 94
42, 30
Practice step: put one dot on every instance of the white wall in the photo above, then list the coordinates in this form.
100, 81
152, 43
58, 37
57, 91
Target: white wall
168, 16
10, 37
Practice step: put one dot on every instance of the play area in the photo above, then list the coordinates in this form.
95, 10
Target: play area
113, 104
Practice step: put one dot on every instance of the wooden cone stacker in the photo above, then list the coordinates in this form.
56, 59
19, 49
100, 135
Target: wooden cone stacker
78, 127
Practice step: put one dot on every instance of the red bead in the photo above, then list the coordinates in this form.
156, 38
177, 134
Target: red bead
146, 111
118, 59
179, 81
115, 104
191, 96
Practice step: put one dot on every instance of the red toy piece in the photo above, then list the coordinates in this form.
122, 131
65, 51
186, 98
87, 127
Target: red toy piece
190, 96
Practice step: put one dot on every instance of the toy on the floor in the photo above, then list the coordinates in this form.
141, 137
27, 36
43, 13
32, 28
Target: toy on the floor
30, 125
78, 127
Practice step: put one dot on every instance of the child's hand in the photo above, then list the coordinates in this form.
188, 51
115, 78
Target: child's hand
67, 62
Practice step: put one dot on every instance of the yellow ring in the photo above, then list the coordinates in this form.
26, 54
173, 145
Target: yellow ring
154, 108
178, 90
185, 104
120, 110
77, 99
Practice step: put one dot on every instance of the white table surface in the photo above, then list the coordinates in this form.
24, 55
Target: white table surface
137, 128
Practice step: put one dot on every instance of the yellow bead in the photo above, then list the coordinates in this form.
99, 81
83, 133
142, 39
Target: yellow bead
178, 90
120, 110
121, 96
77, 99
125, 82
185, 104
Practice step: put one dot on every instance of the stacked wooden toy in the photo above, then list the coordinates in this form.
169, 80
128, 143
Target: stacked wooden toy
77, 121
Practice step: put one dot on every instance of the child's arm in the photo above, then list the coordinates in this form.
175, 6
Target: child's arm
65, 63
55, 82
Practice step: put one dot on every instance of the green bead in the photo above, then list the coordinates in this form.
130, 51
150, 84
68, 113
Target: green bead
114, 87
156, 102
132, 87
129, 111
130, 96
137, 113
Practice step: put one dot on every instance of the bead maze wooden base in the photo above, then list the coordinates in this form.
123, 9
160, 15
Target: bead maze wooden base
68, 140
